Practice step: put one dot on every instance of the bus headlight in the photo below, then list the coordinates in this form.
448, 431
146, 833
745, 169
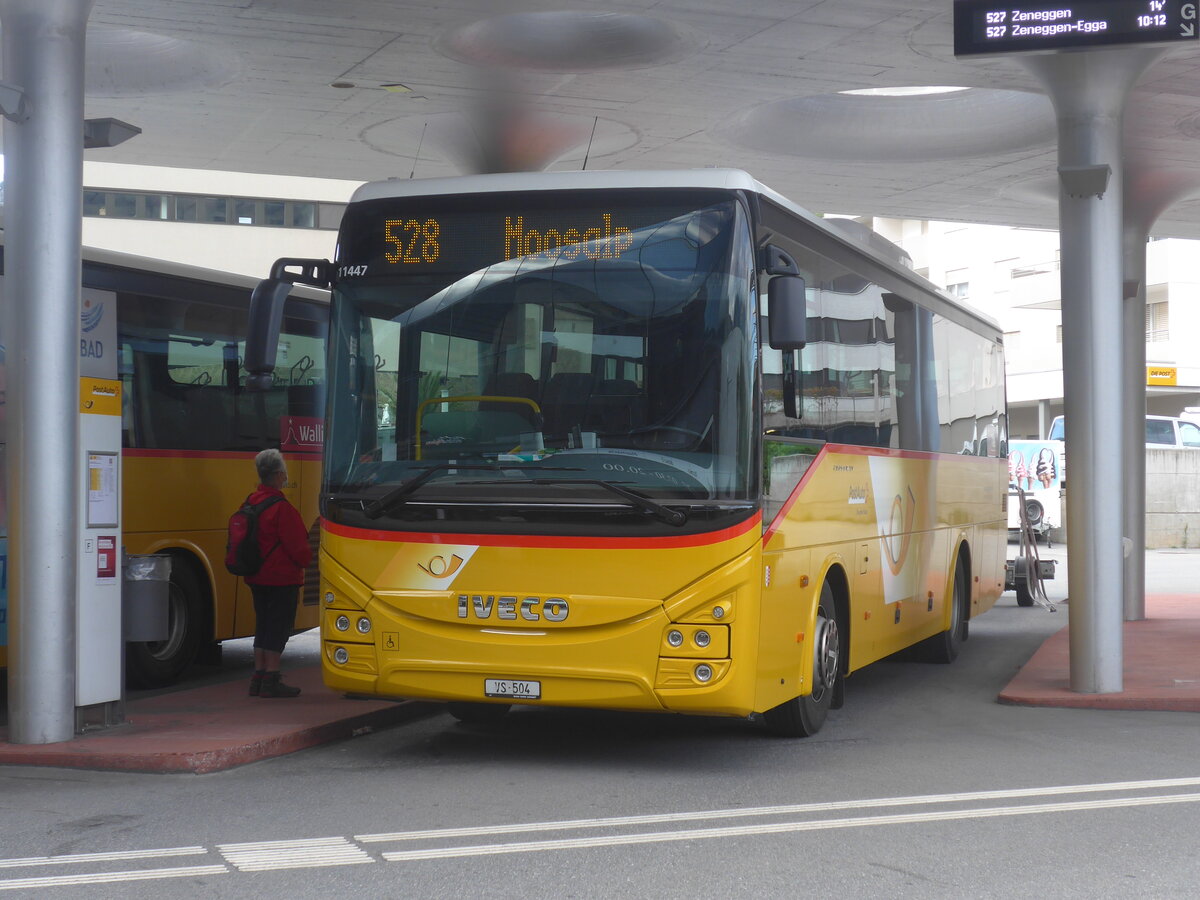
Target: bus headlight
342, 623
702, 638
329, 598
363, 625
341, 656
675, 638
703, 672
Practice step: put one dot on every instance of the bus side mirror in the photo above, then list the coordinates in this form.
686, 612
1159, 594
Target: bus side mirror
787, 312
262, 332
266, 315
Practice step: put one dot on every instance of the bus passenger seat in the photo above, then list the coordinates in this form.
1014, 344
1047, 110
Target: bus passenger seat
616, 407
565, 401
511, 384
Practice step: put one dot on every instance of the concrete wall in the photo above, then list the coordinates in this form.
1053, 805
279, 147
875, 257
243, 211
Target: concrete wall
1172, 498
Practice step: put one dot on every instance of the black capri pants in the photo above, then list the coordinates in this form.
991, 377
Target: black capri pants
275, 610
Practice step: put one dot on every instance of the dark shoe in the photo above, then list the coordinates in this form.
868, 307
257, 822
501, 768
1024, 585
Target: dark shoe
256, 683
273, 687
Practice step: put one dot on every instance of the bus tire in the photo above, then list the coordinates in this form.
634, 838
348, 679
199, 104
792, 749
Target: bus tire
160, 663
478, 713
944, 646
804, 716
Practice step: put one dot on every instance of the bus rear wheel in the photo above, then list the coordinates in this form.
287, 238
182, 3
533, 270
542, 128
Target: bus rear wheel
804, 716
159, 663
944, 646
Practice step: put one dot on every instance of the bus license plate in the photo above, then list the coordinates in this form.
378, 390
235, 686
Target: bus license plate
516, 690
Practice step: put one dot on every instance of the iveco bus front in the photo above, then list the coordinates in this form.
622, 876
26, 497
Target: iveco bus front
543, 451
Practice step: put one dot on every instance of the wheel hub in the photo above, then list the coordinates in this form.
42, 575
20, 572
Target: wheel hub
826, 662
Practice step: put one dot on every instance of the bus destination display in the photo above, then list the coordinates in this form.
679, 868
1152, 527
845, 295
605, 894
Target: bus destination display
420, 240
984, 27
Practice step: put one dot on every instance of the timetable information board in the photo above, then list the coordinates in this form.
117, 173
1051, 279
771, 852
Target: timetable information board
988, 27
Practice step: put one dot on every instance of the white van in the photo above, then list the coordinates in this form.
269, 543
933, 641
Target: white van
1162, 432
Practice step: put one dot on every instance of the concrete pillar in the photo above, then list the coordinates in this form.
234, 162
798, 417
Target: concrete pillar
1089, 90
43, 44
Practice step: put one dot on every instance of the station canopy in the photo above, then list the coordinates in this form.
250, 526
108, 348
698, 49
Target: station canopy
844, 106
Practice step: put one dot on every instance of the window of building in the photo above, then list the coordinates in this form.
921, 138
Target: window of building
214, 209
124, 206
957, 283
247, 212
185, 209
94, 203
154, 206
304, 215
217, 210
1157, 325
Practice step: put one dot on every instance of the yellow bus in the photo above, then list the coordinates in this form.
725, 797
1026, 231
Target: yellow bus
190, 431
644, 441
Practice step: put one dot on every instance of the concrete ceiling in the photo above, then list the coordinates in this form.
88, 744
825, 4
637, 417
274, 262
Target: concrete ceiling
370, 89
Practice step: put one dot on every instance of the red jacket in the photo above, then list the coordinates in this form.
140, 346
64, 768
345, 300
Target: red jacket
282, 540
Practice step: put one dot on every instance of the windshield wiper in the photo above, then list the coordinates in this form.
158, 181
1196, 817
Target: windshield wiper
404, 489
635, 499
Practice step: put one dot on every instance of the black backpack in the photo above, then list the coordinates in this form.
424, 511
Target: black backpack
242, 556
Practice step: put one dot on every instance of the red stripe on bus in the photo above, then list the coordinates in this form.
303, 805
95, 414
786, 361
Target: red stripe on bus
573, 542
142, 453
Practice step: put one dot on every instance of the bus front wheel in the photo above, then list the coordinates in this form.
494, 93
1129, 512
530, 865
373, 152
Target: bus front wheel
160, 663
804, 716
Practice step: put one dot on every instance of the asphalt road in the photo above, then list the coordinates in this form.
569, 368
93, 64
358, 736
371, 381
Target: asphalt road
922, 786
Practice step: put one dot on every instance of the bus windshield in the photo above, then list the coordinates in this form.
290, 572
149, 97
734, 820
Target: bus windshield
532, 359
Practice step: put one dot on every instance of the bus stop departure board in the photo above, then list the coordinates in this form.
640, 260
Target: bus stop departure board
987, 27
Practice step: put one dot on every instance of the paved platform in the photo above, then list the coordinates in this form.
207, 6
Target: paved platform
1162, 664
215, 727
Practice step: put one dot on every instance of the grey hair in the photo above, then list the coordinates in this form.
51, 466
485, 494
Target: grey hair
269, 463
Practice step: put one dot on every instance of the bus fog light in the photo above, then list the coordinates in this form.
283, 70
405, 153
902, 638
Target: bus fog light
363, 625
702, 638
329, 598
675, 638
341, 656
342, 623
704, 673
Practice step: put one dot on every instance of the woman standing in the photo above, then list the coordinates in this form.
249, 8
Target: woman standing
283, 543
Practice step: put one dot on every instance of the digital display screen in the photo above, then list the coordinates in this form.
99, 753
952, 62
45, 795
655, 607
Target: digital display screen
454, 235
984, 27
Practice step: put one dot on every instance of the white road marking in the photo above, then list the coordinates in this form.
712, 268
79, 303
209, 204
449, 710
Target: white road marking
306, 853
691, 834
755, 811
340, 851
14, 884
100, 857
